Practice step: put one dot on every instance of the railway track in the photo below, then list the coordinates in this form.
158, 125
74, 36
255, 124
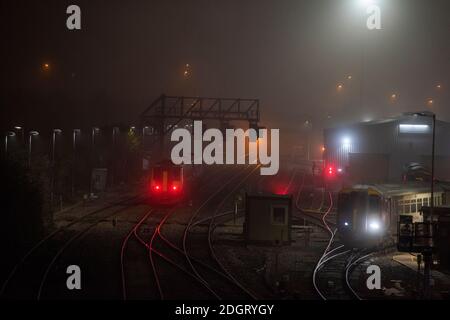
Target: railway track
226, 286
332, 272
169, 262
29, 276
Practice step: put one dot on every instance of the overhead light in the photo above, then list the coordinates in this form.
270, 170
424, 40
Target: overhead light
346, 142
414, 128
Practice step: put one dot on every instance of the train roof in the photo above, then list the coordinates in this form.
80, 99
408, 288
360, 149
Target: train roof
398, 189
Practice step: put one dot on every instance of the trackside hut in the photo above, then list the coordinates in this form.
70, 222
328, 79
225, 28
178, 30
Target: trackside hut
268, 219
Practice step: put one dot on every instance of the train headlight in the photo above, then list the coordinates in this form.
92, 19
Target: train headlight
374, 226
346, 224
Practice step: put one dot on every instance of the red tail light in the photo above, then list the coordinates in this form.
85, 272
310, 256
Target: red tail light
174, 188
157, 188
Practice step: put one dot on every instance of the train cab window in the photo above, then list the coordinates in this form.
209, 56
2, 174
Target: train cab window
279, 215
157, 173
374, 204
175, 173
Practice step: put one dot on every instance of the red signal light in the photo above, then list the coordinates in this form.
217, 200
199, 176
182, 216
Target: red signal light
330, 171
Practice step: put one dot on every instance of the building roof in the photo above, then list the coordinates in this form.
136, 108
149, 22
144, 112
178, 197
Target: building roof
391, 189
403, 116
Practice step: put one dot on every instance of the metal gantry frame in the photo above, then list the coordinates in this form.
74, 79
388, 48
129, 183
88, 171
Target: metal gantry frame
175, 109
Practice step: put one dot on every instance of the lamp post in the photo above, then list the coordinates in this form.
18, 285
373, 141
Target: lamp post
427, 252
115, 130
21, 129
74, 148
55, 132
30, 140
95, 130
8, 134
52, 193
144, 132
308, 126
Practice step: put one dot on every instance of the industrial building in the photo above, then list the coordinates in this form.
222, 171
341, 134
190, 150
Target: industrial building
387, 150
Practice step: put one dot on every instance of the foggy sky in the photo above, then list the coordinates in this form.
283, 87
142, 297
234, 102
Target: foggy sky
289, 54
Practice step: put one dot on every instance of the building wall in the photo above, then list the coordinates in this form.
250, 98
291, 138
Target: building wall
373, 142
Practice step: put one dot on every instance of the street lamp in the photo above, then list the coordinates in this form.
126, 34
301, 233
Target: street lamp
115, 130
74, 147
55, 132
427, 254
8, 134
20, 128
144, 131
30, 135
95, 131
308, 126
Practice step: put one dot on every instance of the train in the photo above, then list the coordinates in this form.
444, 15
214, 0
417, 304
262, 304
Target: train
368, 215
166, 183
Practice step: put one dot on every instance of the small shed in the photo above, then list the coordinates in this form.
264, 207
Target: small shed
268, 219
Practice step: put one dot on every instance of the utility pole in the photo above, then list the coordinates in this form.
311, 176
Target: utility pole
427, 253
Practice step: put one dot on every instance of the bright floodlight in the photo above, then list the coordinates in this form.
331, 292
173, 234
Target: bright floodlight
374, 226
346, 142
413, 128
365, 3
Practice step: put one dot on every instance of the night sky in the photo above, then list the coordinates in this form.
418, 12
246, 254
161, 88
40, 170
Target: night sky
289, 54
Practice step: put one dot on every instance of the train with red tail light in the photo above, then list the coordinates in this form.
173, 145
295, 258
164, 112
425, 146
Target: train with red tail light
166, 183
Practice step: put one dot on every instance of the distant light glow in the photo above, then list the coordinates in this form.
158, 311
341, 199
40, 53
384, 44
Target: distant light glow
340, 170
346, 142
374, 226
346, 224
414, 128
365, 3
